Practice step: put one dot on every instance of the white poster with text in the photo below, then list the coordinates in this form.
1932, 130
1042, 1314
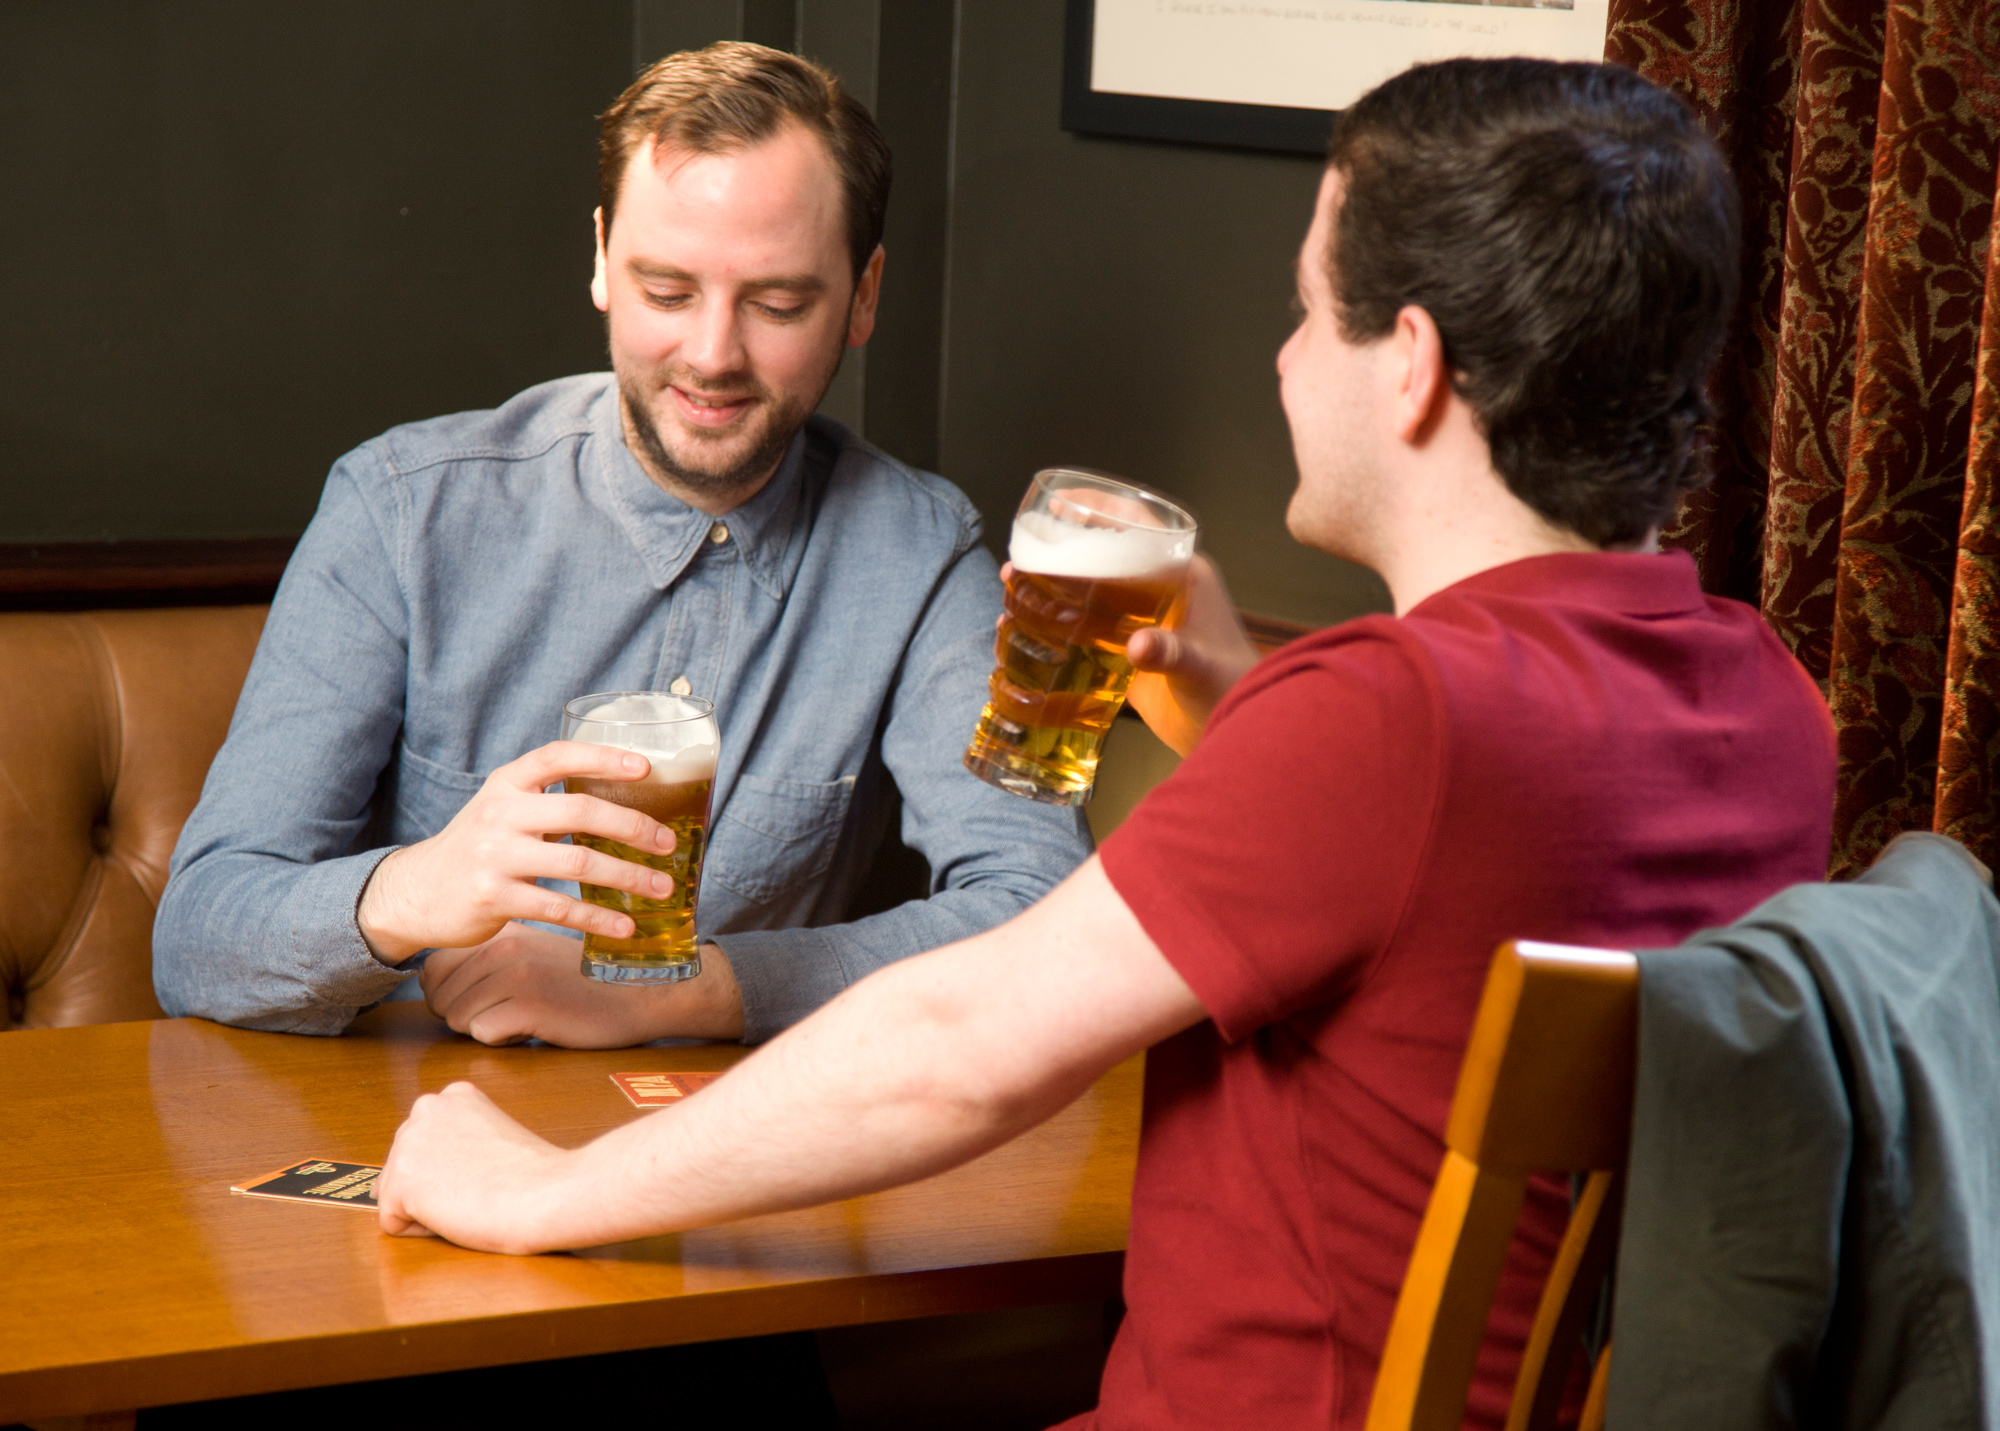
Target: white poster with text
1317, 55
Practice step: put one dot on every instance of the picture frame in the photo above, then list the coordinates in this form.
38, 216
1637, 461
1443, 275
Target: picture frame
1280, 128
1199, 71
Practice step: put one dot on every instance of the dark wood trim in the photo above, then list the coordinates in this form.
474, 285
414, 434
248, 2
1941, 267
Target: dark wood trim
73, 575
143, 565
1268, 633
41, 576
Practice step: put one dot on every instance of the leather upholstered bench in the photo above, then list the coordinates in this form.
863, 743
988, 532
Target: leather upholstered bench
108, 723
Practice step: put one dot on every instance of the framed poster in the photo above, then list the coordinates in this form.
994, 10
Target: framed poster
1270, 74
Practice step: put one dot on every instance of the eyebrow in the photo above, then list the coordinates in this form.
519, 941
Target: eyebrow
800, 283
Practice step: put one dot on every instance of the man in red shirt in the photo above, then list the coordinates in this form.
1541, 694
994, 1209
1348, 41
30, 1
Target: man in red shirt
1517, 277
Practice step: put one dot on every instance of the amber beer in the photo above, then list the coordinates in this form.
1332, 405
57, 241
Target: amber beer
1094, 560
677, 734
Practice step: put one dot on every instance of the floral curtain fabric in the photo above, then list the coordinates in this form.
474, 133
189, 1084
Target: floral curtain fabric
1858, 436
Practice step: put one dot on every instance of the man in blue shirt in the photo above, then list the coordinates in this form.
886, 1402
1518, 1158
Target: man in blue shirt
682, 523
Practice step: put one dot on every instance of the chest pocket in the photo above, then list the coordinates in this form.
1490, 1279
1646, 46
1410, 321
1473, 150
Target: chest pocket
777, 835
427, 795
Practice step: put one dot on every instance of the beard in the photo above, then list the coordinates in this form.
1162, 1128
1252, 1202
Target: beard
718, 465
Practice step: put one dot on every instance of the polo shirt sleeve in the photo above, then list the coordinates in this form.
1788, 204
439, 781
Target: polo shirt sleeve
1274, 866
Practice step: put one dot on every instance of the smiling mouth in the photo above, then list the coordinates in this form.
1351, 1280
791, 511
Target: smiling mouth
709, 410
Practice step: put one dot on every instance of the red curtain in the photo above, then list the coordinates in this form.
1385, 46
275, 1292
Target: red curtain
1858, 432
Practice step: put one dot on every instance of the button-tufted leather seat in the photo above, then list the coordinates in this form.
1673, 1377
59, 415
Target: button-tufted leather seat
108, 722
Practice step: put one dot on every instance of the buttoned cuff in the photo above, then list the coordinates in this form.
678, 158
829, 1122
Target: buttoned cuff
341, 974
782, 975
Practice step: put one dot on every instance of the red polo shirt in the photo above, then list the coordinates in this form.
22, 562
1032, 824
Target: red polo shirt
1580, 748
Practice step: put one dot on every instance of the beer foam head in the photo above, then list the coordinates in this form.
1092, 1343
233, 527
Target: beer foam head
676, 734
1049, 546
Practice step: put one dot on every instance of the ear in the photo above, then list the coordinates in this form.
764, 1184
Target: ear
1425, 385
867, 290
600, 287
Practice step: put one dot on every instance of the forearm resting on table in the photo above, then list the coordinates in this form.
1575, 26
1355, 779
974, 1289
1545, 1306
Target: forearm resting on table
918, 1068
523, 983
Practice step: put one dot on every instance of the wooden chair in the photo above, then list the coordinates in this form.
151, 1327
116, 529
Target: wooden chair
1546, 1087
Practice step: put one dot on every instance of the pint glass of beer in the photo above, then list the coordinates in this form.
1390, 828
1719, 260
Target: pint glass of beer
678, 735
1095, 559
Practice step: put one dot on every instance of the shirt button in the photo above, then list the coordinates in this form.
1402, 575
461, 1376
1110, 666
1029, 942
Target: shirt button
680, 687
718, 534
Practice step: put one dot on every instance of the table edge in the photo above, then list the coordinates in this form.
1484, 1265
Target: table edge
123, 1384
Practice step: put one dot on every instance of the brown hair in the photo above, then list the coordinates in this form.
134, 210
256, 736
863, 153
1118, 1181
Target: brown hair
735, 94
1573, 232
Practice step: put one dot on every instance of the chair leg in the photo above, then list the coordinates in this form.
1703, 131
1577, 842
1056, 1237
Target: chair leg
1600, 1387
1581, 1265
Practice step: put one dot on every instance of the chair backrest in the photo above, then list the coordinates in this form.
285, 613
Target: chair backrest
109, 723
1546, 1087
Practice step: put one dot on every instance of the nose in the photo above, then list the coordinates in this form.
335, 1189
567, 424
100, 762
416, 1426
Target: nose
714, 348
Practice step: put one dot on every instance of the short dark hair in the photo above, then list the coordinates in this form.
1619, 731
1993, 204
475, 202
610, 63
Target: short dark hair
734, 94
1573, 232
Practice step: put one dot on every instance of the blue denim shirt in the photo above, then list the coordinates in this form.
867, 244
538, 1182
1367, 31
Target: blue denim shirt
464, 577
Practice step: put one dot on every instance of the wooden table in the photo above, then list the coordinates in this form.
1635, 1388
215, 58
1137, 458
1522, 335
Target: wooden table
131, 1276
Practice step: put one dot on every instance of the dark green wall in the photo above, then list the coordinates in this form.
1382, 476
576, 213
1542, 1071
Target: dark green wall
240, 238
1120, 304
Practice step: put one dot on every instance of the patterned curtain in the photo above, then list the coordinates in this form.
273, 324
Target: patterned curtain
1857, 491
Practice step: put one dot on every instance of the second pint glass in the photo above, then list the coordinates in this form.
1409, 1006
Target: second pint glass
678, 735
1095, 559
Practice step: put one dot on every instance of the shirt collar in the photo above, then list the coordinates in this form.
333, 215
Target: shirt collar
668, 532
1636, 583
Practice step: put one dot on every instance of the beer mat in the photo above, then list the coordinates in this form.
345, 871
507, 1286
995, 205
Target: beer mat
317, 1180
657, 1090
